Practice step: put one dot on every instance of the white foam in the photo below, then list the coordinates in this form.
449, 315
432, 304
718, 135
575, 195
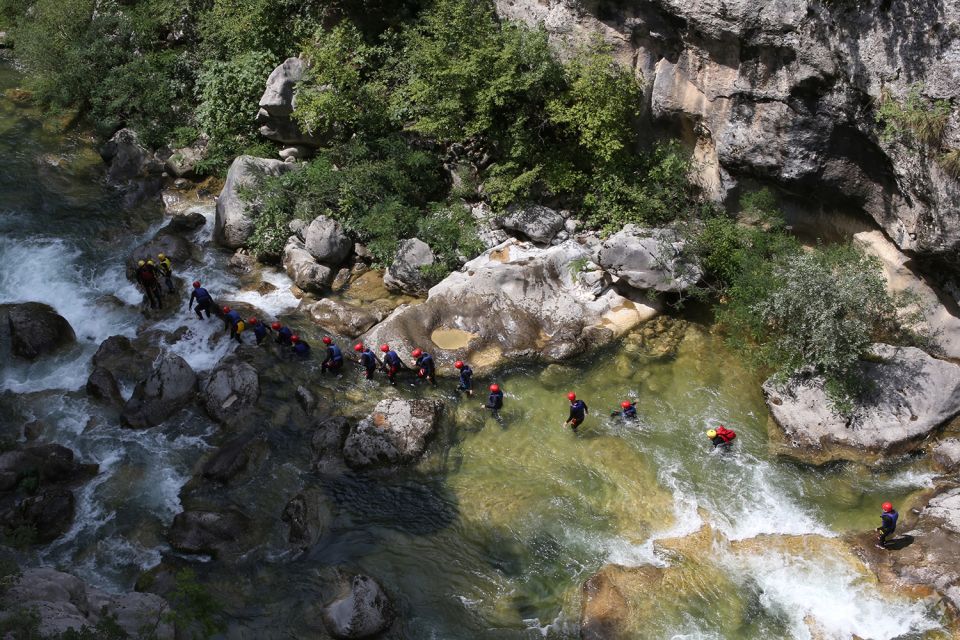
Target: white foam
909, 479
275, 303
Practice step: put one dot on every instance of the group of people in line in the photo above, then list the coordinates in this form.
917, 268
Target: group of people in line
148, 274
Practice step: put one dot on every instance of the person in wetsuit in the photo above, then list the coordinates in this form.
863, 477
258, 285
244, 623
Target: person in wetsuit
203, 299
284, 334
334, 360
494, 400
466, 377
628, 410
147, 279
259, 329
578, 412
721, 437
888, 524
391, 363
368, 360
425, 367
165, 268
300, 347
232, 321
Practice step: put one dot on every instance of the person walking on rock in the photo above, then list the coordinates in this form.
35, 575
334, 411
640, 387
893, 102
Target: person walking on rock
426, 369
202, 297
300, 347
888, 524
260, 329
233, 322
578, 412
466, 377
165, 268
284, 334
368, 360
391, 363
147, 279
334, 360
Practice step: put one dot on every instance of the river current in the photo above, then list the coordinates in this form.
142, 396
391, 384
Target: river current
493, 534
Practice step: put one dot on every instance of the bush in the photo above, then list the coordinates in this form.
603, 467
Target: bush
922, 119
229, 92
950, 161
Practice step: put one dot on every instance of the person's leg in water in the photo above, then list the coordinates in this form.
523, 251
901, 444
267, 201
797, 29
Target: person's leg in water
392, 374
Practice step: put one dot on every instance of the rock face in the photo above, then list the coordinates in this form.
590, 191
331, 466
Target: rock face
277, 104
65, 602
345, 319
327, 241
785, 91
947, 454
363, 612
236, 217
517, 300
404, 275
303, 268
397, 432
910, 395
35, 329
169, 388
648, 259
535, 222
231, 391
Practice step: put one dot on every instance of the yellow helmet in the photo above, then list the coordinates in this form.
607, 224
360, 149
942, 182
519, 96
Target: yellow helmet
149, 261
712, 433
141, 263
161, 256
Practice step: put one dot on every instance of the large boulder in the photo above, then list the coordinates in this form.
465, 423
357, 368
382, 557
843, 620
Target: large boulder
169, 387
235, 215
35, 329
363, 612
518, 300
208, 532
231, 391
42, 517
101, 385
233, 458
405, 274
124, 361
64, 602
48, 464
182, 162
397, 432
180, 251
648, 259
345, 319
327, 241
327, 444
303, 268
908, 395
131, 167
535, 222
277, 104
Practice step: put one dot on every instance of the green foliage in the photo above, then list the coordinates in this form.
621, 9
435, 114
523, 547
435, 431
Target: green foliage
950, 161
451, 233
21, 624
228, 92
917, 117
195, 612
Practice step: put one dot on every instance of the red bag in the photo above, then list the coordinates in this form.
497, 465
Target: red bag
727, 435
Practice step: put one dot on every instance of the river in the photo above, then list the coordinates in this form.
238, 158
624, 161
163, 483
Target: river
494, 532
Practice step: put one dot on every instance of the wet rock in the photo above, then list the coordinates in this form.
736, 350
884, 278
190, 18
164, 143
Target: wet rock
534, 222
327, 443
242, 262
516, 300
169, 388
131, 167
35, 329
909, 395
207, 532
231, 391
101, 385
236, 217
125, 362
65, 602
363, 612
185, 222
303, 269
397, 432
233, 458
345, 319
327, 241
180, 251
49, 464
308, 516
648, 259
946, 454
33, 430
277, 104
405, 274
308, 401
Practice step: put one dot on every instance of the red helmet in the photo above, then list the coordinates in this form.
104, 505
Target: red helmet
571, 396
226, 309
625, 404
494, 388
887, 507
417, 352
358, 346
458, 364
196, 284
276, 326
384, 348
252, 321
294, 338
327, 340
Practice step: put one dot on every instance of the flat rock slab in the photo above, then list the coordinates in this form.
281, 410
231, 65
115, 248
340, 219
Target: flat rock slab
910, 394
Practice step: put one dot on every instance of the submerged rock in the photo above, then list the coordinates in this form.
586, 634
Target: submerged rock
909, 395
308, 516
207, 532
48, 464
35, 329
169, 388
231, 391
397, 432
65, 602
405, 275
363, 612
649, 259
233, 458
236, 216
327, 443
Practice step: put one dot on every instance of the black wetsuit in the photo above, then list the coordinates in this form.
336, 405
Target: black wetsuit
466, 379
203, 299
578, 412
888, 524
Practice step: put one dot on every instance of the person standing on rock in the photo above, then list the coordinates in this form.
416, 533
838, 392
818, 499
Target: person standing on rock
334, 360
888, 524
426, 369
391, 363
259, 329
578, 412
284, 334
202, 298
166, 270
147, 279
466, 377
300, 347
368, 360
233, 322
